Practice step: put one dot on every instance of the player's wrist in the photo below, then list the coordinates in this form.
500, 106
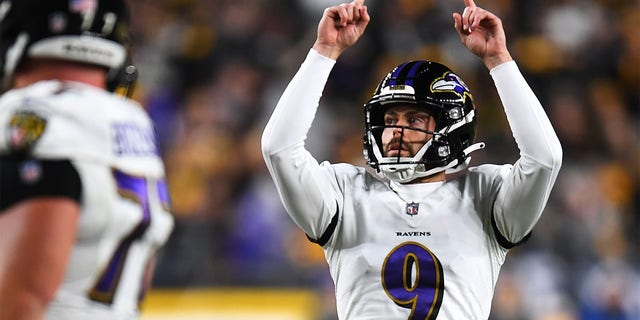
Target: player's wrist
329, 51
493, 61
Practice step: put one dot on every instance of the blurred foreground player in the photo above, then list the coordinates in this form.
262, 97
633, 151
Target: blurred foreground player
408, 242
83, 201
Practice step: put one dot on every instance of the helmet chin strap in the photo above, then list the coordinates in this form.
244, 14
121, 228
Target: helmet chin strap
403, 173
454, 166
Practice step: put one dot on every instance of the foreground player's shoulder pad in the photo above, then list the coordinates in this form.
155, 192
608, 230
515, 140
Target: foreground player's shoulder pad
22, 122
24, 129
51, 120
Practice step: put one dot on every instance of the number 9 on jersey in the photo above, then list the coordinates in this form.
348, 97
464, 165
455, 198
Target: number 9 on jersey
412, 277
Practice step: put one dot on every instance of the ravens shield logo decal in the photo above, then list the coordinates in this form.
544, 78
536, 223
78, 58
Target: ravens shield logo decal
25, 128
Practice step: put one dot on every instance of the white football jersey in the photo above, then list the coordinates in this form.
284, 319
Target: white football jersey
415, 251
124, 216
412, 251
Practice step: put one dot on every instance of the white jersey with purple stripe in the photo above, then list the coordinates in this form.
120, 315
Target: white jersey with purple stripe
124, 215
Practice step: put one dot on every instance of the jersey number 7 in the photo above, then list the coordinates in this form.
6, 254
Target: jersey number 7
134, 188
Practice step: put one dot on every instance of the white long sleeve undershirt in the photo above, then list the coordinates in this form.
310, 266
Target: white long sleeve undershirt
297, 174
294, 113
535, 172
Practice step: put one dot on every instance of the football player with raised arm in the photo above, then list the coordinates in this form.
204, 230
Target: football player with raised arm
405, 242
83, 201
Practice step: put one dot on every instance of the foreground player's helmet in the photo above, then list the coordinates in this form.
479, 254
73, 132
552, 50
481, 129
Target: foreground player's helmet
440, 92
86, 31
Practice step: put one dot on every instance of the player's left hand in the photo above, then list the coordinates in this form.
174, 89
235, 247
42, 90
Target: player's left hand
482, 32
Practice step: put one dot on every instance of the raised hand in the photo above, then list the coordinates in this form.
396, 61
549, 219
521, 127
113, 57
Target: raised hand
482, 32
340, 27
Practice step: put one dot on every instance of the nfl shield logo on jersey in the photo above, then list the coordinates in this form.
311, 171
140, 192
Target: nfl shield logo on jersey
412, 208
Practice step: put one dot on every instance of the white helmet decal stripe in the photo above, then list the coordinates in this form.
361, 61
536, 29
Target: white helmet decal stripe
86, 49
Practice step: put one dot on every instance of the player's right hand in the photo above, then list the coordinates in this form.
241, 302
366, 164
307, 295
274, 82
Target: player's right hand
340, 27
482, 33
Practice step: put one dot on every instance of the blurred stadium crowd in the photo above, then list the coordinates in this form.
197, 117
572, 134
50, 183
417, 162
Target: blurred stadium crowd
211, 72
